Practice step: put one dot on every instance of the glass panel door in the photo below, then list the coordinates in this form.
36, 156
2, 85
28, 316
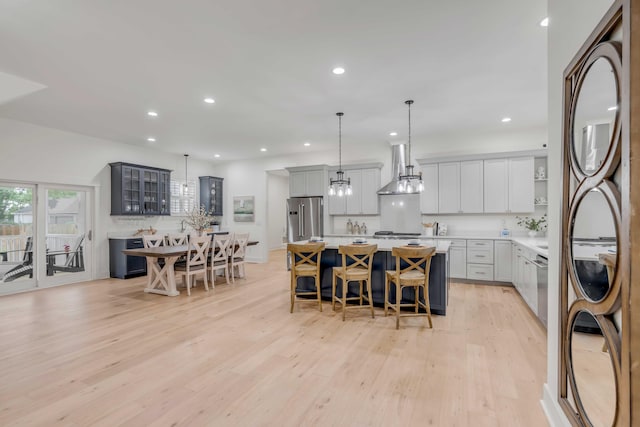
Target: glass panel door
131, 183
17, 207
151, 184
66, 257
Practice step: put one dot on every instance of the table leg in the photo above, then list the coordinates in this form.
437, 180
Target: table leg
162, 278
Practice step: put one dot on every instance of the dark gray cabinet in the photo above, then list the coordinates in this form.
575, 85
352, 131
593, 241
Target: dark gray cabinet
211, 194
124, 266
140, 190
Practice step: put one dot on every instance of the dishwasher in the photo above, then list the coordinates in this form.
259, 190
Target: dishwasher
542, 268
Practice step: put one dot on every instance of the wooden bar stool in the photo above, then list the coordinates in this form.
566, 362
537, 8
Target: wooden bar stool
415, 274
357, 261
305, 262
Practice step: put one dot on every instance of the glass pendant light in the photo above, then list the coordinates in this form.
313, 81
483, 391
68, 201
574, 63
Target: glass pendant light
410, 182
340, 186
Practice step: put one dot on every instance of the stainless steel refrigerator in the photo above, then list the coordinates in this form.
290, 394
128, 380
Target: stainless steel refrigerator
305, 218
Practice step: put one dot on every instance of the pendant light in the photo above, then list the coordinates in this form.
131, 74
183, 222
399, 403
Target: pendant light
340, 186
185, 186
410, 182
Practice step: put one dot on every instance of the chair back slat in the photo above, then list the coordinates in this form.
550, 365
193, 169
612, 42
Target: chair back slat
221, 247
239, 248
152, 240
415, 259
198, 250
177, 239
306, 253
354, 256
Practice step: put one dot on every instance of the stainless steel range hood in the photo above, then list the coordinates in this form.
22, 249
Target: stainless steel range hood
398, 162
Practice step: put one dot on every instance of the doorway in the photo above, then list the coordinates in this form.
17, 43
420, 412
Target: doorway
45, 236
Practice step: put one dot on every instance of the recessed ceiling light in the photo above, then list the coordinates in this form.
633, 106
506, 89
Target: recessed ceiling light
545, 22
306, 144
217, 156
614, 108
209, 100
393, 133
151, 139
152, 114
263, 149
338, 70
506, 119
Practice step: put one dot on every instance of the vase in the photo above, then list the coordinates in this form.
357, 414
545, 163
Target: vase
532, 233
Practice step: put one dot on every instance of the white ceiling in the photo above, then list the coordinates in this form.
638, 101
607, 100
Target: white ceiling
268, 64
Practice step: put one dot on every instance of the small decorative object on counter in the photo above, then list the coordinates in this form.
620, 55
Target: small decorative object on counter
349, 226
356, 228
541, 174
363, 228
533, 225
442, 229
428, 228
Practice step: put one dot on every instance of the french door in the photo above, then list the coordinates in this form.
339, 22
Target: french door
45, 236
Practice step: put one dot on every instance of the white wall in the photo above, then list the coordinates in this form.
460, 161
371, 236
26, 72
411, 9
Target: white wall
37, 154
277, 195
571, 22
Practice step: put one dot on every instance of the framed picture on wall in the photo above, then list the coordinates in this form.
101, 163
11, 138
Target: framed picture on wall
243, 209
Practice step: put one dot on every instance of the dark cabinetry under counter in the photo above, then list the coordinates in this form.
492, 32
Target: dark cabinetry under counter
140, 190
211, 194
122, 266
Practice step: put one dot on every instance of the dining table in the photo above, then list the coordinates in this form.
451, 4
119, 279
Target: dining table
162, 276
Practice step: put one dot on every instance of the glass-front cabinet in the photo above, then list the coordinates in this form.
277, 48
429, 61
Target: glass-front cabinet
139, 190
211, 194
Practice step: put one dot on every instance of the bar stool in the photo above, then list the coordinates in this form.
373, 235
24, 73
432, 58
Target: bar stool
305, 262
414, 274
357, 261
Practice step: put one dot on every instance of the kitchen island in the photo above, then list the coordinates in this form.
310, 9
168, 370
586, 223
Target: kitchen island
382, 261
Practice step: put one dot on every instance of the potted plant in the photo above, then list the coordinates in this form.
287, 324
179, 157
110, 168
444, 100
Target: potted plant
198, 219
533, 225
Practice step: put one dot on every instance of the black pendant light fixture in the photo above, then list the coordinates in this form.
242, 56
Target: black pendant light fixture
340, 186
410, 182
185, 186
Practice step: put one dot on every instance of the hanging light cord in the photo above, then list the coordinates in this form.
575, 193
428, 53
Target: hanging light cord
409, 102
340, 140
186, 171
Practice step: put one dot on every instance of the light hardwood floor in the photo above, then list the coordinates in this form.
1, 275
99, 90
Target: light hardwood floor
104, 353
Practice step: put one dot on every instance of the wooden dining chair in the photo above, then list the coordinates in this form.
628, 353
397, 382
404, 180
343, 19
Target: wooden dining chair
412, 271
356, 267
238, 251
305, 262
153, 265
220, 256
196, 263
176, 239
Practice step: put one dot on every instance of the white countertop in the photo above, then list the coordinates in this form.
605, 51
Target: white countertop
466, 236
386, 244
534, 244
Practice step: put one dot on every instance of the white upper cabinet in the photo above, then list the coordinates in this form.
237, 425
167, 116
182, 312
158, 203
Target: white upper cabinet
509, 185
429, 197
521, 184
354, 201
307, 183
449, 187
370, 187
471, 187
460, 187
496, 185
365, 184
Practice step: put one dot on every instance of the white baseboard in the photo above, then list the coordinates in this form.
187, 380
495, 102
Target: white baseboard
552, 409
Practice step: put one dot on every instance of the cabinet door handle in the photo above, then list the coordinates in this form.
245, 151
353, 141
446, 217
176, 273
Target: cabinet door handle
480, 272
481, 256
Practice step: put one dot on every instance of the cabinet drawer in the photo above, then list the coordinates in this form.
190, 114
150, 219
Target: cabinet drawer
480, 256
480, 271
135, 244
459, 243
484, 244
